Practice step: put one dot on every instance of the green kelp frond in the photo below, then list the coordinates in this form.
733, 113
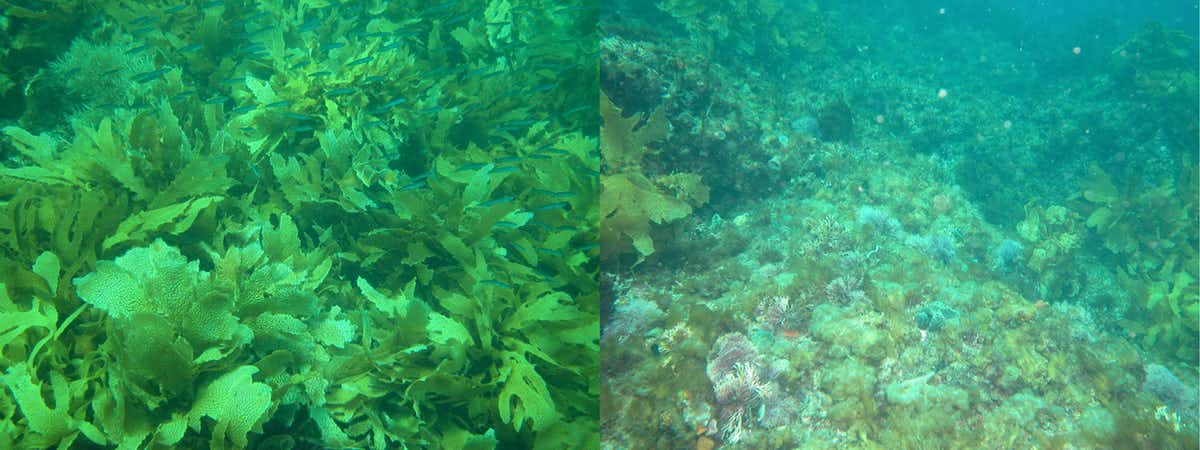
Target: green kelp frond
524, 396
236, 402
159, 280
14, 320
634, 202
48, 424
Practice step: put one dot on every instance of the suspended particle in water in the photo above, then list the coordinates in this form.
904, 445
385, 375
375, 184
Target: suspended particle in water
942, 93
1007, 124
941, 11
879, 119
1076, 50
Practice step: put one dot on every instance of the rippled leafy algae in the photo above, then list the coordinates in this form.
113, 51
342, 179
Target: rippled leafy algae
632, 200
278, 224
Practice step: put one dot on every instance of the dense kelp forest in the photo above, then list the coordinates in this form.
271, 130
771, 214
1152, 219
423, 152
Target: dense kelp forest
298, 224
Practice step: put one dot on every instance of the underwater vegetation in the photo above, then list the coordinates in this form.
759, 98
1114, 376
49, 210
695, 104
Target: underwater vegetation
883, 262
279, 224
752, 28
631, 202
1149, 233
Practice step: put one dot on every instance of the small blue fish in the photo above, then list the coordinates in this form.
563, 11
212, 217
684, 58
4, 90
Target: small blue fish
578, 109
300, 129
564, 9
508, 159
470, 166
243, 109
175, 9
146, 77
300, 65
217, 100
144, 20
505, 169
496, 283
553, 151
246, 20
143, 30
550, 252
412, 186
137, 49
253, 48
297, 116
393, 45
190, 48
331, 46
279, 104
406, 32
561, 195
393, 103
309, 25
360, 61
550, 206
212, 4
552, 67
374, 79
436, 72
322, 73
441, 7
472, 73
506, 224
498, 201
259, 31
456, 20
518, 123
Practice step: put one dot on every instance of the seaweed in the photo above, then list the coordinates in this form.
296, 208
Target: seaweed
1151, 231
631, 200
367, 225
